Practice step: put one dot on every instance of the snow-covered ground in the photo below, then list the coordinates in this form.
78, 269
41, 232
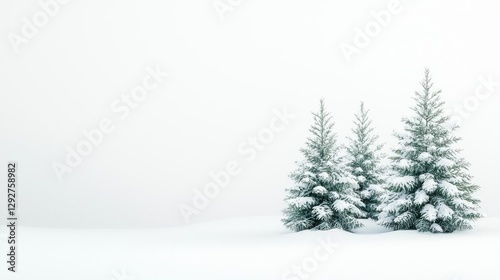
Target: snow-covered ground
255, 248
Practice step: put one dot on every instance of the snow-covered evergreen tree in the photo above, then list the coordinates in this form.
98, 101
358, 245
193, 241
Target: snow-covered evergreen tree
364, 160
431, 190
323, 195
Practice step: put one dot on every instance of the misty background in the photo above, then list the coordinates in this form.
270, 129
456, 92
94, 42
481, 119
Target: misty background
226, 77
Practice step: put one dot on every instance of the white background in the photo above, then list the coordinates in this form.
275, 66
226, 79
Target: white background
226, 78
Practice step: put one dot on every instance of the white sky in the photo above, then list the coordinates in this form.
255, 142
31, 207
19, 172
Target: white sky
226, 78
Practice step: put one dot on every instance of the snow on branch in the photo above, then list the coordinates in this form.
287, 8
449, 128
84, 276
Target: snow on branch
301, 202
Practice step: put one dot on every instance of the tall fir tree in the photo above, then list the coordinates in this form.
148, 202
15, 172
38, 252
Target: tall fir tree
364, 160
323, 195
431, 189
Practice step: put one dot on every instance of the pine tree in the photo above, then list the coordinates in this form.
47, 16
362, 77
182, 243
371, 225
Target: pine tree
364, 160
431, 190
323, 196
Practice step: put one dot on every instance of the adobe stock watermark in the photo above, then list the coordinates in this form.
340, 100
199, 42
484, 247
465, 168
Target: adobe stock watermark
222, 7
364, 36
121, 275
122, 108
471, 103
31, 27
321, 253
249, 149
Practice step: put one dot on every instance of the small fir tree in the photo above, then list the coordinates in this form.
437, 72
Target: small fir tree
431, 189
364, 160
323, 196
